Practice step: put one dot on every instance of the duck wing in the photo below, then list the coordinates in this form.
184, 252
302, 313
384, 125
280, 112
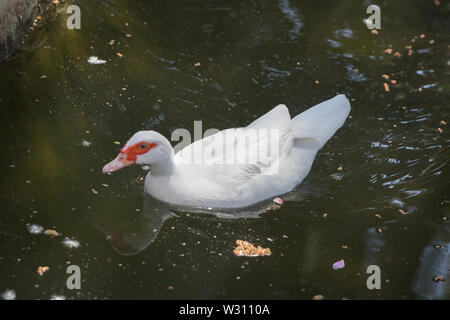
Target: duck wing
241, 153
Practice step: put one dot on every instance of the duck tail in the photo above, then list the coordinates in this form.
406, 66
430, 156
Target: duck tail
321, 121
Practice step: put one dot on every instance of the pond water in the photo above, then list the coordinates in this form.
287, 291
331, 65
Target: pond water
377, 193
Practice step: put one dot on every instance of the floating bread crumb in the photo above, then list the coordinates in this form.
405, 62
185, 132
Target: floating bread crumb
246, 249
41, 270
51, 232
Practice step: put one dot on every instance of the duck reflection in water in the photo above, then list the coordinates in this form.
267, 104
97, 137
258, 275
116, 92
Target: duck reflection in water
135, 236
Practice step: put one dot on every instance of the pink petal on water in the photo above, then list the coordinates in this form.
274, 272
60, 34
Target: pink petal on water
278, 201
339, 264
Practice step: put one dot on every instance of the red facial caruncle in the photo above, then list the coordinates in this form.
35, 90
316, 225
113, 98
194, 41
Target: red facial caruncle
128, 156
138, 148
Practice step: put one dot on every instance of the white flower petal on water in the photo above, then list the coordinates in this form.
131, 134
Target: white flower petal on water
95, 60
85, 143
9, 295
35, 229
57, 297
69, 243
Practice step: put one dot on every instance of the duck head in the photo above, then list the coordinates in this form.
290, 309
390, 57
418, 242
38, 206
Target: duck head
144, 147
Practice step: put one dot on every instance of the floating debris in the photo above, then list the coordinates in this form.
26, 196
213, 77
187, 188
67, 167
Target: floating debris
52, 233
374, 31
403, 212
35, 229
116, 142
338, 264
170, 288
85, 143
385, 76
278, 201
94, 191
9, 295
42, 269
112, 42
120, 55
95, 60
337, 176
386, 87
57, 297
246, 249
197, 64
388, 51
378, 216
397, 54
318, 297
438, 279
71, 244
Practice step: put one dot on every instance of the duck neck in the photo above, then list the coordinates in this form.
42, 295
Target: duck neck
165, 166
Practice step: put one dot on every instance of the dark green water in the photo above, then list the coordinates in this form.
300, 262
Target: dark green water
253, 55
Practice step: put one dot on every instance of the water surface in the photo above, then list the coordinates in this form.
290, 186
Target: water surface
226, 63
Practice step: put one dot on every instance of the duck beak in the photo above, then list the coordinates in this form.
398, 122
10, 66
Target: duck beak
118, 163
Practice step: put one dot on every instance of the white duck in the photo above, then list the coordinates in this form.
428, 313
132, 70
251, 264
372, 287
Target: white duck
236, 167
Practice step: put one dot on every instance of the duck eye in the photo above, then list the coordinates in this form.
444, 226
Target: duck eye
143, 146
